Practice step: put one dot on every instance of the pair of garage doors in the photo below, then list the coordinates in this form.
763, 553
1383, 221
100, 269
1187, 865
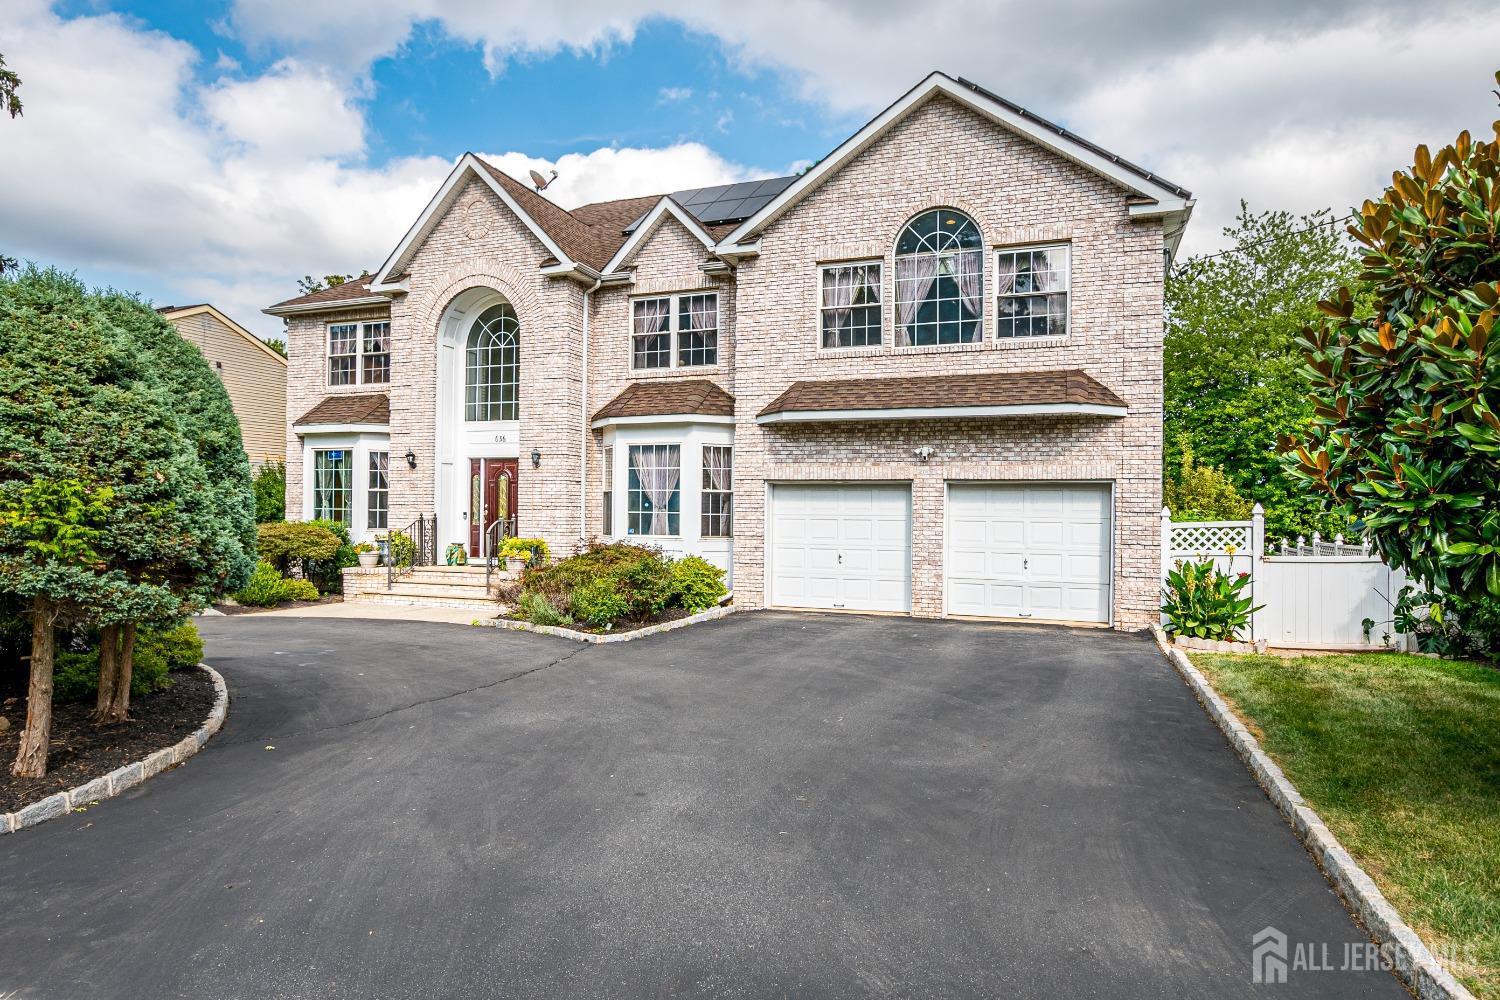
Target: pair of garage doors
1012, 551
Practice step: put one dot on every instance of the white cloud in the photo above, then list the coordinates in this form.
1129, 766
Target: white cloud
625, 172
290, 113
671, 95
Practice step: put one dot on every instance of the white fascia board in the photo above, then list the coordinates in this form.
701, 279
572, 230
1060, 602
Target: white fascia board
312, 430
941, 83
467, 166
667, 205
392, 287
578, 272
330, 305
665, 418
942, 412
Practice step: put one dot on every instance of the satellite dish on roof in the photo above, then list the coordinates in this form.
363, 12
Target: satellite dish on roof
542, 182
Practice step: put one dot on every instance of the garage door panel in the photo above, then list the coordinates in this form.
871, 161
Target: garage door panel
1029, 551
853, 547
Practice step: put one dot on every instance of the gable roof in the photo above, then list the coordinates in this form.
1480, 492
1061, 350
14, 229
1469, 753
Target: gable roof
170, 313
1153, 196
662, 398
642, 231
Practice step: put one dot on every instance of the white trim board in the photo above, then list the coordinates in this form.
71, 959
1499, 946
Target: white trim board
664, 418
941, 412
308, 430
1162, 200
666, 206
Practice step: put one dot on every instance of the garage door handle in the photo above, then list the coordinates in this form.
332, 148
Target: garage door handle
841, 559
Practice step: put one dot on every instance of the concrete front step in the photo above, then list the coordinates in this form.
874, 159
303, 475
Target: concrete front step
414, 588
461, 576
489, 608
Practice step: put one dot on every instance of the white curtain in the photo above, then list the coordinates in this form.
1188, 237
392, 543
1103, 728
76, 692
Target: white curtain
839, 287
657, 468
716, 468
1005, 274
915, 274
651, 315
702, 315
971, 281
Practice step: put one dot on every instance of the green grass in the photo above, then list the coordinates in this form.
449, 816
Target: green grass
1400, 755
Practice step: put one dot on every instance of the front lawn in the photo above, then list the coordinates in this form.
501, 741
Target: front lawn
1400, 755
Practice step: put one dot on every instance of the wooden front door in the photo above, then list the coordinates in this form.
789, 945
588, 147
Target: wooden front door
492, 497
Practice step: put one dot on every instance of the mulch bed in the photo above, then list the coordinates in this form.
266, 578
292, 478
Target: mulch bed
245, 609
81, 751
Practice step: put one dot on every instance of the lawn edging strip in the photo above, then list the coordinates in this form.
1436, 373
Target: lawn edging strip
121, 778
1414, 963
603, 637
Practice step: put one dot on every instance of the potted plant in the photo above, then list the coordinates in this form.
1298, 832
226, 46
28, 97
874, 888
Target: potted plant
519, 553
369, 555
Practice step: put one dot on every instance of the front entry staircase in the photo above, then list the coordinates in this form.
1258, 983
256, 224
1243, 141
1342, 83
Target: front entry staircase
426, 583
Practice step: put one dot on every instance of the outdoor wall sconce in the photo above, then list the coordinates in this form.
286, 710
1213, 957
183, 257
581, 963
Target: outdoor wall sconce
411, 460
536, 459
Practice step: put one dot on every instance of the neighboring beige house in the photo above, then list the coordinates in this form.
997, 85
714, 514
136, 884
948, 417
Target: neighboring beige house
924, 376
253, 374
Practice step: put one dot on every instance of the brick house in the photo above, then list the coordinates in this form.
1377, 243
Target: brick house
924, 376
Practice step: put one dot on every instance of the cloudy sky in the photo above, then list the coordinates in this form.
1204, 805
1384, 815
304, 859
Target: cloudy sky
216, 151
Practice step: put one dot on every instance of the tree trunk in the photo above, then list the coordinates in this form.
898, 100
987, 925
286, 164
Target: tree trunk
31, 759
117, 708
109, 673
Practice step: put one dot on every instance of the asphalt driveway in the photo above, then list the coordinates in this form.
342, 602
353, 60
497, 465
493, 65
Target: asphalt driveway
769, 805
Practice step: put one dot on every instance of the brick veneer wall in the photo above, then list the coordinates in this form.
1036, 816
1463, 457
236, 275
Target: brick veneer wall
940, 155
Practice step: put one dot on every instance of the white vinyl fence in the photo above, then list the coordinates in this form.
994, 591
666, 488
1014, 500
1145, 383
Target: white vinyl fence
1317, 595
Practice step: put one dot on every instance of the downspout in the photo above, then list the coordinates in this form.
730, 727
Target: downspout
583, 441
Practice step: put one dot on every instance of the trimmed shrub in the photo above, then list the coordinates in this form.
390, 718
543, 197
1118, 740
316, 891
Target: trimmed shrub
537, 609
299, 590
598, 602
269, 485
697, 584
266, 589
283, 542
180, 647
328, 573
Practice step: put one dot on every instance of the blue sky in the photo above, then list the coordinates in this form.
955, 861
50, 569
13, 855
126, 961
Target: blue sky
218, 151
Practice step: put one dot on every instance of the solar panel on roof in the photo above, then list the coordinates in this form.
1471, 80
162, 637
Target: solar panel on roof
722, 203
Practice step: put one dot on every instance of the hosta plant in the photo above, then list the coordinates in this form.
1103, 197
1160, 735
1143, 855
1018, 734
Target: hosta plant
1201, 602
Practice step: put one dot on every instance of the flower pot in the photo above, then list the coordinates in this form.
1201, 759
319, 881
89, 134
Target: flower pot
369, 560
514, 565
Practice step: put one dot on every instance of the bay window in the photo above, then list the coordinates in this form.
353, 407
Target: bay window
654, 494
718, 491
333, 486
609, 491
378, 490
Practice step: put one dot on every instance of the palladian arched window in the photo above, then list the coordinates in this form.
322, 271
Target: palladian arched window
492, 365
939, 280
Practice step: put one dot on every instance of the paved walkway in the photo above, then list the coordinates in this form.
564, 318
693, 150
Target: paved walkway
768, 805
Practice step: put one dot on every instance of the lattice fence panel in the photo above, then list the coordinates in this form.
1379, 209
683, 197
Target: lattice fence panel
1210, 539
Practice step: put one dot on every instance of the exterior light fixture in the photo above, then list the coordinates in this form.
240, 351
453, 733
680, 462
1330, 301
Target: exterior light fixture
536, 458
411, 460
924, 453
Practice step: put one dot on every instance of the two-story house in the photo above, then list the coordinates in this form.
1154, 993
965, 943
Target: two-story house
924, 376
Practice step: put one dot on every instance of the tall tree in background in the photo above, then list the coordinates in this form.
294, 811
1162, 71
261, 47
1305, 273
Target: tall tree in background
10, 103
1406, 432
1232, 388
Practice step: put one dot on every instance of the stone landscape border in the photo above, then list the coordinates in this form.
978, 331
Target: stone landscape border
1418, 968
604, 637
121, 778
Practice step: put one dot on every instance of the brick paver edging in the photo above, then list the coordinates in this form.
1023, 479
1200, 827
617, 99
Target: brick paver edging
640, 633
130, 775
1416, 966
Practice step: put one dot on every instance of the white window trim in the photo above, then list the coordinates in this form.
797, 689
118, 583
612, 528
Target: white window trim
682, 491
1044, 339
359, 445
962, 345
886, 331
704, 491
358, 355
672, 331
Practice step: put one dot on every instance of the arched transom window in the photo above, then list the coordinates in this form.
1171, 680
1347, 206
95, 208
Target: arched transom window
492, 365
939, 280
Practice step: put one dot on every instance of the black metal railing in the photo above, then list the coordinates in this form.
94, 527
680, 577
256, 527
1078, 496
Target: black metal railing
495, 535
414, 545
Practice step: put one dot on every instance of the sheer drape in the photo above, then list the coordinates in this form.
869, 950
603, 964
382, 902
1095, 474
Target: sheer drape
914, 277
656, 467
716, 468
651, 315
839, 288
970, 268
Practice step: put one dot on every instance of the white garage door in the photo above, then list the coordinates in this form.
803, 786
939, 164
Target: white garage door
1029, 552
841, 546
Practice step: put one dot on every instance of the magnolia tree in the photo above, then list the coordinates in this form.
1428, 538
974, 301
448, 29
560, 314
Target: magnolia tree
1405, 435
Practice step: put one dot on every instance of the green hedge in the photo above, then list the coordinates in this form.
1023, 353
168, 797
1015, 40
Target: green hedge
609, 583
157, 652
268, 588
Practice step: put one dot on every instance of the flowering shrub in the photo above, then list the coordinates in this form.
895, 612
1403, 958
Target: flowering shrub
1202, 603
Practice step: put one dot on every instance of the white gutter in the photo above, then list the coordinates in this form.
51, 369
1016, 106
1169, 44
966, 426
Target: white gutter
583, 407
940, 412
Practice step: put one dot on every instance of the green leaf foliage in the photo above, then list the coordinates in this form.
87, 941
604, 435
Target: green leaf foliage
607, 583
1202, 493
697, 584
157, 653
1231, 359
285, 542
269, 486
267, 588
1202, 602
1405, 432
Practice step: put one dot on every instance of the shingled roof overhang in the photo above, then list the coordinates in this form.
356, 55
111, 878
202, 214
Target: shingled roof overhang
695, 400
358, 412
944, 397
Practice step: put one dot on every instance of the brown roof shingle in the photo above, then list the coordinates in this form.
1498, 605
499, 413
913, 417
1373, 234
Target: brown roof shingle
942, 391
354, 288
374, 408
696, 396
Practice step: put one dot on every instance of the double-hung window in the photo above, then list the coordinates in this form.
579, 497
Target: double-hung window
609, 491
675, 331
378, 490
850, 305
654, 496
359, 353
1032, 292
333, 484
718, 491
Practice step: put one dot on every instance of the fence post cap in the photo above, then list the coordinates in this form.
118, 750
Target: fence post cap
1166, 511
1257, 510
